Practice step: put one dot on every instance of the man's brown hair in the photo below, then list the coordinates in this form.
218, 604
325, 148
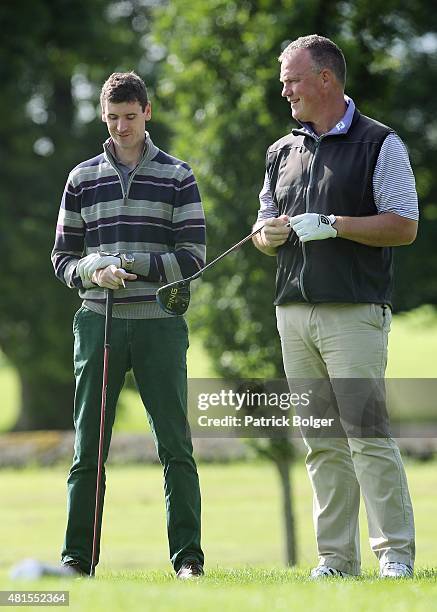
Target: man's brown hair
124, 87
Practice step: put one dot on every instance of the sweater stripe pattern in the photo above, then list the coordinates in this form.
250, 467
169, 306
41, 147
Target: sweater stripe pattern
158, 217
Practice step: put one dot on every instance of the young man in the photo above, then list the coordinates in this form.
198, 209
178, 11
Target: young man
131, 219
344, 184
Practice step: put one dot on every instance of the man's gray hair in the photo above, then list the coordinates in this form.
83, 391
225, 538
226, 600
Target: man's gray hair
324, 54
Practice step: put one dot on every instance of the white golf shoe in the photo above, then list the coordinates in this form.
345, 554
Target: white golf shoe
323, 571
393, 569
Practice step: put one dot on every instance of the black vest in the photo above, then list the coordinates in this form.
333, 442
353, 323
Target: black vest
330, 175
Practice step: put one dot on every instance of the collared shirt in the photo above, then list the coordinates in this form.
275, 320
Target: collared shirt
394, 187
342, 126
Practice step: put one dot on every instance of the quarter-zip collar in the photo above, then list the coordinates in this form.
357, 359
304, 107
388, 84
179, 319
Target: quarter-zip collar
149, 150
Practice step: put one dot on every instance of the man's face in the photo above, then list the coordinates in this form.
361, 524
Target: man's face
301, 86
126, 123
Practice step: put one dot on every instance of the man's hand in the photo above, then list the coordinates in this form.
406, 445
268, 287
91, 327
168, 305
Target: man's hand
311, 226
275, 232
92, 262
112, 277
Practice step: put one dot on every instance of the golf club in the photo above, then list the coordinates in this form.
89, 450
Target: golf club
174, 298
107, 346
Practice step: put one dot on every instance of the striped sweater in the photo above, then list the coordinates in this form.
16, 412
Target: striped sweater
158, 217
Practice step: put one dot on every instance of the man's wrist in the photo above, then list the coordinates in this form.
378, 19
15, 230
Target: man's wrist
127, 261
118, 255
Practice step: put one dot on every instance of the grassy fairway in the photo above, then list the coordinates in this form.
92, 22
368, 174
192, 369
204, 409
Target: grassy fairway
243, 590
413, 344
242, 541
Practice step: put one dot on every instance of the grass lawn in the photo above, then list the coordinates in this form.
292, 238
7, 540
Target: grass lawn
413, 344
248, 590
242, 538
242, 530
10, 389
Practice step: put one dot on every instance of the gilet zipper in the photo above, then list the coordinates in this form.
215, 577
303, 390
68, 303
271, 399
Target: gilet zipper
307, 203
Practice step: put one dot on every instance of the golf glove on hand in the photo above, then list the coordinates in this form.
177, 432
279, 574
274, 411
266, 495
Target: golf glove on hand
92, 262
311, 226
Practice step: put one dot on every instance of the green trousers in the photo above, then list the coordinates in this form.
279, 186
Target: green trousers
155, 349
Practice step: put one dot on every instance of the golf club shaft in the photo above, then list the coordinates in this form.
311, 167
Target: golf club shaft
107, 346
233, 248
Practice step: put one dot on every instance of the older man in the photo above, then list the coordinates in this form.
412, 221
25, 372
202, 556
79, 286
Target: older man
338, 193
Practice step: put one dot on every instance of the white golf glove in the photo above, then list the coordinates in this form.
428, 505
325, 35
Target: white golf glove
311, 226
92, 262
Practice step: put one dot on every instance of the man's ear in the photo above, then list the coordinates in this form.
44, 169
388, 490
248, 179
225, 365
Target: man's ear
148, 111
327, 77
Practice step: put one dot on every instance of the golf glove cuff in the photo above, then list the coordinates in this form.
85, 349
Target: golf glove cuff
88, 284
312, 226
92, 262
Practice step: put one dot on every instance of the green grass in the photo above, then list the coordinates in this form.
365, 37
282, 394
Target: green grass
10, 389
244, 590
413, 344
242, 539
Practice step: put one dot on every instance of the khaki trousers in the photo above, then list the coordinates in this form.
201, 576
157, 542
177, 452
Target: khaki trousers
349, 341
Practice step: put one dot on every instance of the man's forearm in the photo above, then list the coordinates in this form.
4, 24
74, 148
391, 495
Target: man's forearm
382, 230
170, 266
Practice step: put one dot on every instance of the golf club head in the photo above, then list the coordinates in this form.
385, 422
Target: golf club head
174, 298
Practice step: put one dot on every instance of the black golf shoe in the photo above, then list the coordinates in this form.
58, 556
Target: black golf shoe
190, 569
74, 568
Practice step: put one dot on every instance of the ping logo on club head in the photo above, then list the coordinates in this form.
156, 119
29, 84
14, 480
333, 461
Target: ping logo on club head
172, 297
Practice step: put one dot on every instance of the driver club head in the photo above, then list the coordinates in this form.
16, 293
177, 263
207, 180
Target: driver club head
174, 298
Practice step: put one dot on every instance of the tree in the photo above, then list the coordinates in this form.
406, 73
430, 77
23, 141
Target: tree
55, 56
